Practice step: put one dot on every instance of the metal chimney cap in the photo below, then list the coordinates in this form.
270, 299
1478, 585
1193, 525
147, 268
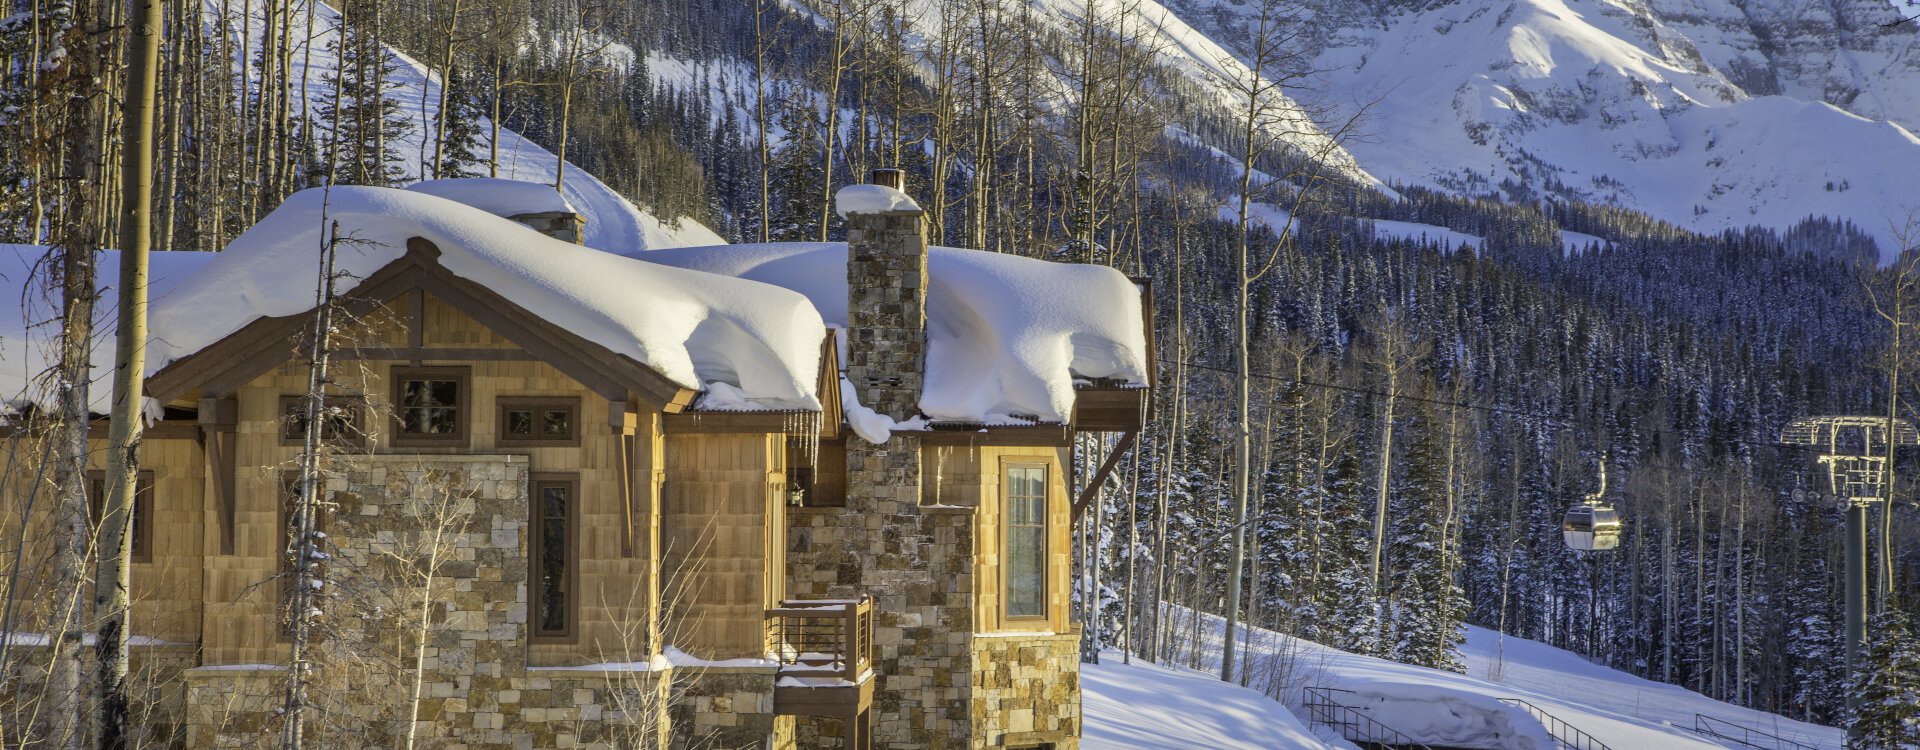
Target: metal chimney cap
893, 178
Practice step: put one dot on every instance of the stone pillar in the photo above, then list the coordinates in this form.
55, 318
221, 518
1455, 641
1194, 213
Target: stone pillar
916, 564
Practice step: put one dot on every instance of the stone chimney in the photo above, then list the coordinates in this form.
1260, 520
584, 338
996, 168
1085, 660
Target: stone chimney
887, 303
560, 225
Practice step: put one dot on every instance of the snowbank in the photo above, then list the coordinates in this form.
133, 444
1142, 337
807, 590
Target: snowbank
30, 332
497, 196
694, 328
1006, 335
1142, 706
1465, 710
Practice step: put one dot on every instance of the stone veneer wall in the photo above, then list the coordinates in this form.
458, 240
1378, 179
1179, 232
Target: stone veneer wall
1026, 690
916, 562
478, 690
730, 707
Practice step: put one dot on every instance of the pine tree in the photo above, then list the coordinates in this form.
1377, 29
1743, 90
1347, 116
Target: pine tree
1887, 688
1426, 603
463, 139
365, 121
1353, 609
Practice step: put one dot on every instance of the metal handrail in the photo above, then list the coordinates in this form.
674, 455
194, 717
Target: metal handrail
1569, 736
1703, 725
1353, 724
823, 638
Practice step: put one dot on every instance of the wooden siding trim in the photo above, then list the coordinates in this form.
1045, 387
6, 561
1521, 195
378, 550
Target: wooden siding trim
436, 354
1041, 436
730, 422
828, 388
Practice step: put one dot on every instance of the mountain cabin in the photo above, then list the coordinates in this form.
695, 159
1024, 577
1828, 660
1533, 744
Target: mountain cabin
790, 495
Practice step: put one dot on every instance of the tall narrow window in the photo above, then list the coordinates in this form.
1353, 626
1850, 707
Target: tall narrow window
142, 530
1025, 557
552, 540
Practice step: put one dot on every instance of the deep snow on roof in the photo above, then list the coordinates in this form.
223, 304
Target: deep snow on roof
30, 327
497, 196
694, 328
1006, 335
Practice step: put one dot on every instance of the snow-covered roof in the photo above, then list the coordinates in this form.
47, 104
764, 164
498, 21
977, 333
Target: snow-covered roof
29, 318
1006, 335
692, 327
497, 196
860, 199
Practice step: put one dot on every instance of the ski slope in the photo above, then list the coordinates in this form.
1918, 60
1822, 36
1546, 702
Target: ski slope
1143, 706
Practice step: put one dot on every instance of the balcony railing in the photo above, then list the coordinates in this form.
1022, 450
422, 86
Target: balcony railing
823, 639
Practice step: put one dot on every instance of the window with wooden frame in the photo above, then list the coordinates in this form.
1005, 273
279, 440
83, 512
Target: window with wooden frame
1023, 555
534, 422
142, 530
430, 406
553, 555
341, 422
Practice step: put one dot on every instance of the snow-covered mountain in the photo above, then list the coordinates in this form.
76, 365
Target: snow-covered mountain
1710, 114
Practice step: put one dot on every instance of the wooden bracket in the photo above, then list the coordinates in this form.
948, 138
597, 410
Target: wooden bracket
1088, 492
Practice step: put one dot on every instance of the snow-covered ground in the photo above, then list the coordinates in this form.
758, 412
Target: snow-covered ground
1144, 706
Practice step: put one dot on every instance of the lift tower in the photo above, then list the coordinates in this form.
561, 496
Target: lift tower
1854, 451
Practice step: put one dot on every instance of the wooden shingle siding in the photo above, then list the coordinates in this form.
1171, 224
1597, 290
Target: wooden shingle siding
724, 558
614, 590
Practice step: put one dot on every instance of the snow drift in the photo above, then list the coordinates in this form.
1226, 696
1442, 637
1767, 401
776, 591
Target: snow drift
1007, 336
692, 327
30, 328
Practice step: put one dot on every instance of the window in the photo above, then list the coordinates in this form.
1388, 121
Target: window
551, 539
1025, 556
339, 421
529, 422
142, 510
430, 406
818, 472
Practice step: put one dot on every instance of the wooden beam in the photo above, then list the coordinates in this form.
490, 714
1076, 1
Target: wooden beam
437, 354
219, 417
1100, 477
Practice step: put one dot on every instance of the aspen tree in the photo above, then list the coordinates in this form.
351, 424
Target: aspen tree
75, 88
1267, 118
113, 572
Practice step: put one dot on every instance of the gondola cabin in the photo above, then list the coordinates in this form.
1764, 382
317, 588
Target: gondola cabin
1591, 527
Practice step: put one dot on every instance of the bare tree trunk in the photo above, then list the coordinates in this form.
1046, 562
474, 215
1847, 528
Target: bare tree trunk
111, 597
79, 93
